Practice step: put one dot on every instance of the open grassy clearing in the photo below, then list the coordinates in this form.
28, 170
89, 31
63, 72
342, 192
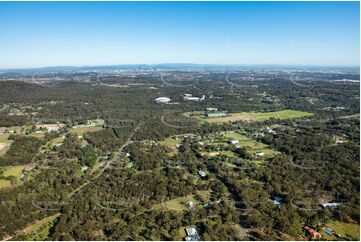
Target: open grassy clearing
82, 130
251, 145
204, 195
182, 233
37, 231
227, 153
211, 154
51, 143
4, 183
220, 142
38, 224
170, 143
344, 229
253, 116
57, 140
37, 135
4, 138
178, 204
15, 171
3, 148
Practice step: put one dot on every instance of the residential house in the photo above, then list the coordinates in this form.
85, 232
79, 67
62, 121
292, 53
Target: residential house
270, 130
331, 205
313, 233
202, 174
233, 141
192, 234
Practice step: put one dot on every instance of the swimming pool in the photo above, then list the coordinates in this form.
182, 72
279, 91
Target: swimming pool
327, 230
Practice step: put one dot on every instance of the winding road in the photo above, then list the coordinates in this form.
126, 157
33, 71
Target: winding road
107, 164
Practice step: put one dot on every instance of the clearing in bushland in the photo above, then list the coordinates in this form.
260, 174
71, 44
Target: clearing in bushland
252, 116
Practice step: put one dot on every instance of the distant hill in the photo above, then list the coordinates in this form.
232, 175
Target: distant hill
180, 66
171, 66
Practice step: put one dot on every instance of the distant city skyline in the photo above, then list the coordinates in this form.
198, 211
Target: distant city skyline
40, 34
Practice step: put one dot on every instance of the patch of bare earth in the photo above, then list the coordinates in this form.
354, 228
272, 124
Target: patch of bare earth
231, 118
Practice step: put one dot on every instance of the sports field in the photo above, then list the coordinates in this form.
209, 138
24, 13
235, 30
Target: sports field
253, 116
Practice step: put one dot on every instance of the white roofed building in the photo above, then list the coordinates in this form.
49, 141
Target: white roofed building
162, 100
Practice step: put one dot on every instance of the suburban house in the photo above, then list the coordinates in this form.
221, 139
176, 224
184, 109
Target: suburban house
331, 205
212, 203
277, 201
233, 141
84, 168
14, 111
191, 205
189, 97
28, 168
202, 174
50, 127
270, 130
192, 234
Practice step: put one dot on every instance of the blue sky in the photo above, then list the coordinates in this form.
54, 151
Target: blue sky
34, 34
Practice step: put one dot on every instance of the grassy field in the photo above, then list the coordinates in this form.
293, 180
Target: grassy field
211, 154
182, 234
37, 225
39, 230
251, 145
37, 135
15, 171
79, 173
252, 116
4, 183
177, 204
205, 195
4, 147
4, 138
82, 130
57, 140
342, 229
170, 143
227, 153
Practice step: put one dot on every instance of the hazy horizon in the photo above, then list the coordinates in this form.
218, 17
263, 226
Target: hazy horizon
180, 64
